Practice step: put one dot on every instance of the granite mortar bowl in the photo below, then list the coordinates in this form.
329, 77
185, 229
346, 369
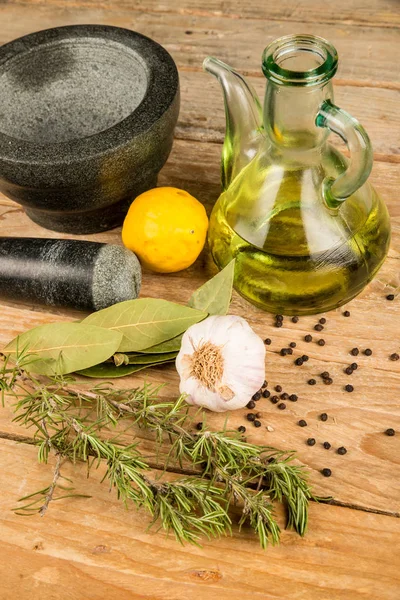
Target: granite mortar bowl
87, 114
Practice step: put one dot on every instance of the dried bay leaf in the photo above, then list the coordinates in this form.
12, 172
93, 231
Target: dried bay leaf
110, 371
215, 295
173, 345
145, 322
61, 348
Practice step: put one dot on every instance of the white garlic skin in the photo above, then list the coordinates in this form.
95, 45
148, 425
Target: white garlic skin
243, 353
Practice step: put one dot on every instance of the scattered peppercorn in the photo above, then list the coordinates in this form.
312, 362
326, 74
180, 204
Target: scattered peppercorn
241, 428
354, 366
256, 396
279, 317
323, 417
282, 406
295, 319
293, 397
322, 320
311, 442
278, 323
328, 381
325, 375
266, 393
257, 423
303, 423
250, 404
349, 388
304, 358
258, 415
289, 351
274, 399
394, 356
368, 352
390, 297
265, 384
298, 361
267, 341
308, 338
390, 432
318, 327
326, 472
355, 352
342, 450
327, 445
346, 313
285, 396
278, 388
321, 342
283, 352
199, 426
311, 382
348, 370
292, 344
250, 416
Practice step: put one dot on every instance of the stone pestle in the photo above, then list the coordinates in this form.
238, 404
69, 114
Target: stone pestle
68, 273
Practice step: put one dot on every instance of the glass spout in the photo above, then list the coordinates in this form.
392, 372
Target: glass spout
244, 121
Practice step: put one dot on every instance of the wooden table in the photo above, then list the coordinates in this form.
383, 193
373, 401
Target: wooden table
96, 549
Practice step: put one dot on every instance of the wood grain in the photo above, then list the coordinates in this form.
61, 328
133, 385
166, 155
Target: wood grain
368, 53
94, 548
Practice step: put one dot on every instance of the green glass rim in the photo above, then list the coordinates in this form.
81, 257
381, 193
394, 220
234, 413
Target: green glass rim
281, 48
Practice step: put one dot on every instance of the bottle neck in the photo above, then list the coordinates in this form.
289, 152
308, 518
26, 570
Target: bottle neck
290, 113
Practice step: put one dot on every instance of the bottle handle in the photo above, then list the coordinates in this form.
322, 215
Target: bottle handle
335, 191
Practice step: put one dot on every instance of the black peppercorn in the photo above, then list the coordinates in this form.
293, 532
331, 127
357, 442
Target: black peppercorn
346, 313
349, 388
354, 352
267, 341
279, 317
289, 351
274, 399
318, 327
241, 428
390, 297
256, 396
323, 417
258, 415
322, 320
303, 423
326, 472
321, 342
348, 370
390, 432
354, 366
278, 323
257, 423
304, 358
292, 344
293, 397
265, 384
311, 442
282, 406
199, 426
278, 388
311, 382
368, 352
325, 375
327, 445
295, 319
342, 450
266, 393
298, 361
250, 404
328, 381
250, 416
308, 338
283, 352
284, 396
394, 356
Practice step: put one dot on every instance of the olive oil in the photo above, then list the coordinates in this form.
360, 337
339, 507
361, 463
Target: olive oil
298, 258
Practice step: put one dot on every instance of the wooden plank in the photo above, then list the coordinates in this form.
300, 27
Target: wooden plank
94, 548
356, 12
369, 475
367, 52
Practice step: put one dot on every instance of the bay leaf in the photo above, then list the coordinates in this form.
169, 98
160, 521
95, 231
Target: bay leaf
173, 345
215, 295
110, 371
61, 348
145, 322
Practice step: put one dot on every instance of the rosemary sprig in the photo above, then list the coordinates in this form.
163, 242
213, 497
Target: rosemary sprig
231, 471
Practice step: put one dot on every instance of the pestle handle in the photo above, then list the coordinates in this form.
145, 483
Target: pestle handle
68, 273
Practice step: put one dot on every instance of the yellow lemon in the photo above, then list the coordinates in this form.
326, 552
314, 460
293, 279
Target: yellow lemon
166, 228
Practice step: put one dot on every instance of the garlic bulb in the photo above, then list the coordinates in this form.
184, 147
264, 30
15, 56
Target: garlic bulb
221, 363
